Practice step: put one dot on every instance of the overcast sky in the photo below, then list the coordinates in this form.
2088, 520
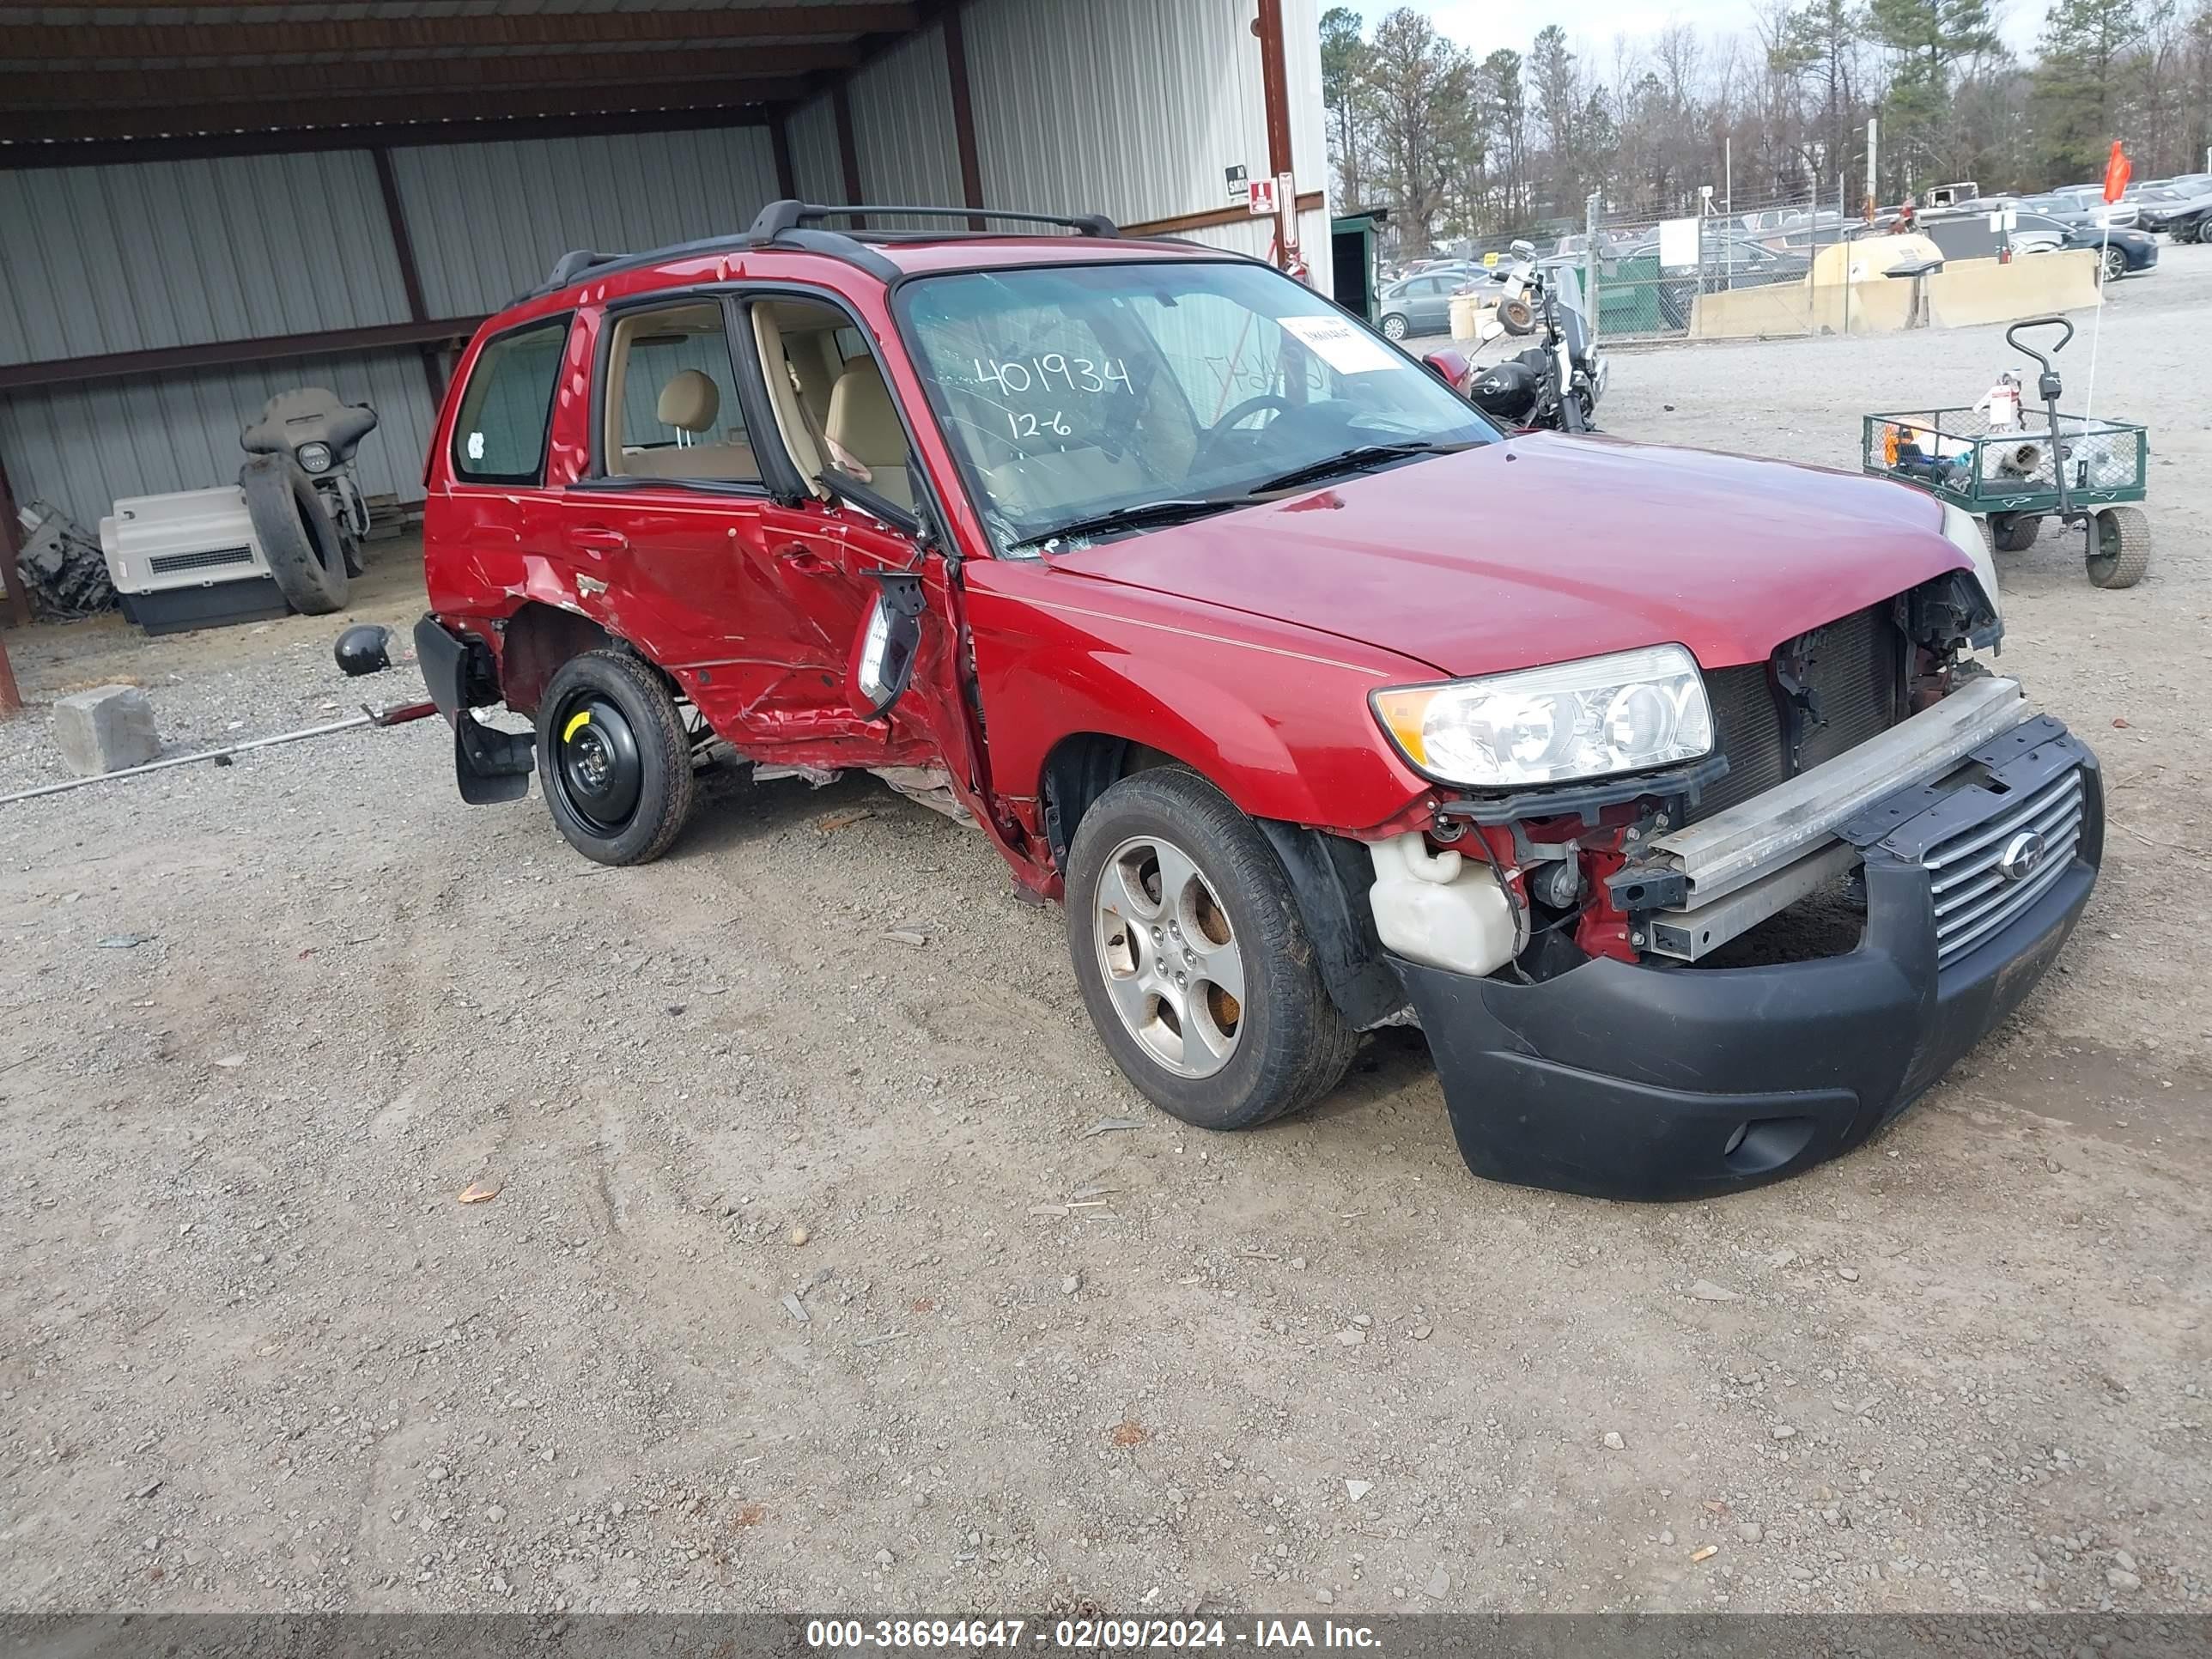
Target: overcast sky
1483, 25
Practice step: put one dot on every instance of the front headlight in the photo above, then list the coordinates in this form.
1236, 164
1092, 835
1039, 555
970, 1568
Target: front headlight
1964, 531
1625, 713
314, 458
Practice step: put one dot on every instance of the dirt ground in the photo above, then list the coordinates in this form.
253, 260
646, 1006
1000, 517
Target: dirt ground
254, 1354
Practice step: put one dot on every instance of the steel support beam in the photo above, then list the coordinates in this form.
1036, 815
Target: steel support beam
20, 126
15, 602
352, 33
411, 277
220, 353
62, 89
1274, 86
848, 154
779, 139
396, 135
964, 110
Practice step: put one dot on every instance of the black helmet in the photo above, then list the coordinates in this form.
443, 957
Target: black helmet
364, 649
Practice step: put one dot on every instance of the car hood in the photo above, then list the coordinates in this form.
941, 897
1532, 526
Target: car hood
1543, 549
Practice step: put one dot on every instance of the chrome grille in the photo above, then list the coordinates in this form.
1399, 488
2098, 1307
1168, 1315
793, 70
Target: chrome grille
1974, 899
167, 564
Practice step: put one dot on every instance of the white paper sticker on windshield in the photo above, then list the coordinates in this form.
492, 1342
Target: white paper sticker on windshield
1341, 346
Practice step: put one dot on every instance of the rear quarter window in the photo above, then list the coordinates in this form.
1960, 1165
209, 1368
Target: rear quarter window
508, 406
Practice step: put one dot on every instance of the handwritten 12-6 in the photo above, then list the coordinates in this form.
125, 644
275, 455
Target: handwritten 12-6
1051, 371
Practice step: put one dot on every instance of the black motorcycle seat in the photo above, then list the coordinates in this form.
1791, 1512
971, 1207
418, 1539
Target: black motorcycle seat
311, 414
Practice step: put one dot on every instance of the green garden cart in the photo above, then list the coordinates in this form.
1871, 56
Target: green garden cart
2087, 474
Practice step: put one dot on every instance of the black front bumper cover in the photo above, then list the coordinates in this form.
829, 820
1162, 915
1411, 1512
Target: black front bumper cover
1621, 1081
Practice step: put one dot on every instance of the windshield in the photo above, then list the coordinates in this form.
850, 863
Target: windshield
1075, 393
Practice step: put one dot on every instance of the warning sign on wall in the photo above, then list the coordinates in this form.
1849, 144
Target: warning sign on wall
1262, 198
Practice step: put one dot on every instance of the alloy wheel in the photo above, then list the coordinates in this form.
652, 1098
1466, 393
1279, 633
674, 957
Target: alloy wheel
1169, 956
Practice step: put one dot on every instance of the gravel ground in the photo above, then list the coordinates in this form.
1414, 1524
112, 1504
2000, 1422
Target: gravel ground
812, 1279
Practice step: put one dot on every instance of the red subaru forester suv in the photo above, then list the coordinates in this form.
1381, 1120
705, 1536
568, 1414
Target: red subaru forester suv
1666, 790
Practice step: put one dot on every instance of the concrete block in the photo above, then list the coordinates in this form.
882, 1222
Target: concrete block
107, 729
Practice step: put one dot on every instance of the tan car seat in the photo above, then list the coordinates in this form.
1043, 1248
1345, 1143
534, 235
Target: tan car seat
864, 434
691, 402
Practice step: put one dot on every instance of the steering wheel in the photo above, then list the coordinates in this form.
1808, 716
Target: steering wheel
1220, 429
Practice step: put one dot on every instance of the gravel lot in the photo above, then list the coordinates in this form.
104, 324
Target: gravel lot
807, 1284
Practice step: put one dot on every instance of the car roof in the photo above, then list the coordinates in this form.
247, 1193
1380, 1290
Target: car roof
793, 227
887, 257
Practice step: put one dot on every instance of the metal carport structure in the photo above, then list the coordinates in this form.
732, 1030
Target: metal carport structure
200, 205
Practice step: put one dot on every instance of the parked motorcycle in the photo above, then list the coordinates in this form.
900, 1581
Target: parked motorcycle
1554, 385
320, 434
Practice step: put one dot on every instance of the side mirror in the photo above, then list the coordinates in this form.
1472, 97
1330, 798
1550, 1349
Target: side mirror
1522, 250
1491, 329
882, 659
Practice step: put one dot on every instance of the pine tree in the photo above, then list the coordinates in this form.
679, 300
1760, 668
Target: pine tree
1929, 38
1818, 44
1343, 61
2081, 84
1417, 88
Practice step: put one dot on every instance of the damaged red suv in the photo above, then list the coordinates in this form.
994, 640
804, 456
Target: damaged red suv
1668, 792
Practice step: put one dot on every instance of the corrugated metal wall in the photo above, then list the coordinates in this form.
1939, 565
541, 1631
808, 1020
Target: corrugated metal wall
83, 447
812, 131
164, 253
488, 221
1130, 107
126, 259
1138, 108
902, 128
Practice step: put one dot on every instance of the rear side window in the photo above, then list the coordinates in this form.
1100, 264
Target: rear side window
500, 437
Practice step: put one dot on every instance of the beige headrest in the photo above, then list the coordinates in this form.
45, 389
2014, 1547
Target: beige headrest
862, 421
690, 402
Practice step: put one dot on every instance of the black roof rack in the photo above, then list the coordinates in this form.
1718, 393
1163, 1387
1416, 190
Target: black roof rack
779, 218
789, 224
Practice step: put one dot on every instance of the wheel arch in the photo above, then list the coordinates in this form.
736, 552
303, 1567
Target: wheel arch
1329, 875
537, 638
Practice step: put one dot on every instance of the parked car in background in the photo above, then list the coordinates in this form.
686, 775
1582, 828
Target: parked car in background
2179, 207
2083, 206
1422, 304
2123, 251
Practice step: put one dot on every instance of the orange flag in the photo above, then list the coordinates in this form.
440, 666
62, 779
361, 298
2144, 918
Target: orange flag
2117, 173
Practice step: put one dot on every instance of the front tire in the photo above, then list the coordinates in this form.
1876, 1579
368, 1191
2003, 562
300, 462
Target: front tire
1394, 327
614, 759
1194, 959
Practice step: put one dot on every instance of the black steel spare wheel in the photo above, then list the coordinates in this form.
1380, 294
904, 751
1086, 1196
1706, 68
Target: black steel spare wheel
597, 764
614, 758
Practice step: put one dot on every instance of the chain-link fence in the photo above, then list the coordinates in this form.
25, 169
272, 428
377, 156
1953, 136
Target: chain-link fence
1650, 269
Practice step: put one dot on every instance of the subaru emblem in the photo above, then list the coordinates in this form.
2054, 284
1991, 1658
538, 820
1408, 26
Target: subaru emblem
2022, 853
